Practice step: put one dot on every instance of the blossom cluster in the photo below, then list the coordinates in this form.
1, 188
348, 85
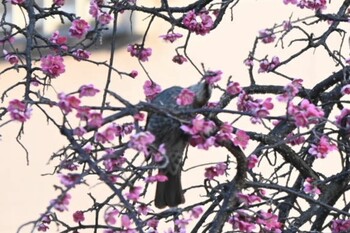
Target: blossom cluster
214, 171
267, 66
52, 65
139, 51
79, 28
11, 58
95, 11
233, 88
267, 36
290, 90
186, 97
141, 141
19, 111
179, 59
340, 225
200, 129
200, 23
113, 216
245, 222
151, 90
310, 187
322, 148
68, 102
305, 113
343, 120
171, 37
308, 4
259, 108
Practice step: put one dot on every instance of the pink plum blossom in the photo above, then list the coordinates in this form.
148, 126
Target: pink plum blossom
171, 37
218, 170
81, 54
139, 116
134, 193
308, 4
141, 141
110, 216
95, 119
182, 223
249, 61
69, 179
199, 125
157, 178
269, 221
267, 36
233, 88
201, 142
290, 1
290, 90
151, 89
19, 111
259, 108
343, 120
186, 97
295, 139
52, 65
69, 165
59, 40
197, 211
133, 73
252, 161
88, 90
340, 225
143, 209
78, 216
83, 113
11, 58
305, 114
61, 204
248, 199
79, 28
17, 2
345, 90
104, 18
243, 222
267, 66
111, 164
58, 2
225, 132
94, 9
126, 223
153, 223
159, 155
110, 133
68, 102
310, 188
200, 23
287, 25
179, 59
128, 128
140, 52
322, 148
42, 227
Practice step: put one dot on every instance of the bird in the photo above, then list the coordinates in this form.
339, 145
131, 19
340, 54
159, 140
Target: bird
167, 131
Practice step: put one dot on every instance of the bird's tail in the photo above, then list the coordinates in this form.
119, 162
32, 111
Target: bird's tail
169, 193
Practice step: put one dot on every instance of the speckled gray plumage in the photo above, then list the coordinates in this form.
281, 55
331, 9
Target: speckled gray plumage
167, 131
